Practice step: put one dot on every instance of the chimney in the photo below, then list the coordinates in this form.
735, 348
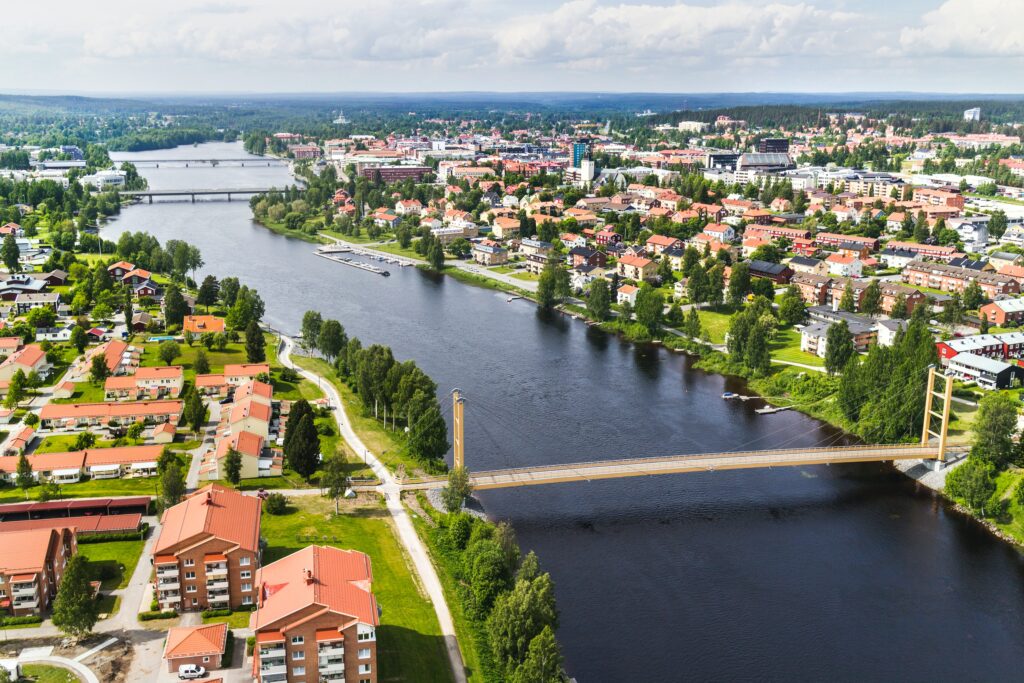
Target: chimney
309, 576
209, 498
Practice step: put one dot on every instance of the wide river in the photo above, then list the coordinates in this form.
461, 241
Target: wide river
818, 573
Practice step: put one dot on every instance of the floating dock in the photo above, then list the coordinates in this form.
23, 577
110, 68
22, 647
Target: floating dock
355, 264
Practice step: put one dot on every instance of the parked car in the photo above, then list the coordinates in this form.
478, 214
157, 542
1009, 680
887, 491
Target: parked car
190, 671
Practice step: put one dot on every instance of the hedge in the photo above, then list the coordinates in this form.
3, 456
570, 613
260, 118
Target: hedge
150, 616
250, 645
114, 536
207, 614
21, 621
229, 649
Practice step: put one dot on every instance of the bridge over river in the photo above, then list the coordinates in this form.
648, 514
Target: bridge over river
193, 193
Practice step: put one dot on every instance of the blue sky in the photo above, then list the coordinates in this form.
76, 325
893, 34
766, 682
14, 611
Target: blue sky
613, 45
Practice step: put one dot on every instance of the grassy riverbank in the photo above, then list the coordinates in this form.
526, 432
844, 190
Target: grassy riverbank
281, 229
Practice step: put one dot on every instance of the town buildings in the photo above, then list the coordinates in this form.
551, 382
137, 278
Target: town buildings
31, 566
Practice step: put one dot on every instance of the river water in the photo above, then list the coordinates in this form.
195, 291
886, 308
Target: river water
818, 573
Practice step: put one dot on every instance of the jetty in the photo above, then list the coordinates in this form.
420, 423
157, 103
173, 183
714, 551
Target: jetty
345, 261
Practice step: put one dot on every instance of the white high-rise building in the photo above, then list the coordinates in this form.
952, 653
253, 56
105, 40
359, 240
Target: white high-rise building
973, 114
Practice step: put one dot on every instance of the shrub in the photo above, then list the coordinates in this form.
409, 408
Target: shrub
114, 536
250, 644
210, 613
20, 621
275, 504
150, 616
31, 419
229, 650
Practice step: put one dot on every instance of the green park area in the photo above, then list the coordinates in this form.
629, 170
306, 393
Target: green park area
409, 642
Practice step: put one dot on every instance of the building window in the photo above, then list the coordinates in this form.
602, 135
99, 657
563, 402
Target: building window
365, 633
298, 671
299, 654
244, 561
298, 640
206, 660
190, 589
364, 653
246, 599
195, 601
246, 587
190, 563
245, 575
190, 575
364, 668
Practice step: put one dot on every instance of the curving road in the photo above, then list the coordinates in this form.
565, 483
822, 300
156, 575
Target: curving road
391, 490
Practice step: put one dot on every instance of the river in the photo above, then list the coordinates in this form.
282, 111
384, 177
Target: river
841, 573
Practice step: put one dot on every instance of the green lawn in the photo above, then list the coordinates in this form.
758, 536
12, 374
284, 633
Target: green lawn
523, 275
59, 443
786, 346
361, 239
120, 556
395, 249
289, 391
97, 488
44, 673
409, 644
234, 621
504, 270
715, 324
388, 445
85, 392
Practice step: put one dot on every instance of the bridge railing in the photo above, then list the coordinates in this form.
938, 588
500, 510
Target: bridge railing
911, 449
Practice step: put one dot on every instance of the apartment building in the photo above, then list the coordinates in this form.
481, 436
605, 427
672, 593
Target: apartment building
953, 279
152, 383
939, 196
31, 566
82, 415
208, 551
773, 232
316, 618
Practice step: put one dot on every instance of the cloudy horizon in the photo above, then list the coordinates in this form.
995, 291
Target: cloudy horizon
391, 46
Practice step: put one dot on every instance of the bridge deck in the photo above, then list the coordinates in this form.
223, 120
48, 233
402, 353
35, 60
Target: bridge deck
202, 191
675, 464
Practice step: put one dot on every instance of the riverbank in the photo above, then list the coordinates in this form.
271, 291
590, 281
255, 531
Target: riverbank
281, 229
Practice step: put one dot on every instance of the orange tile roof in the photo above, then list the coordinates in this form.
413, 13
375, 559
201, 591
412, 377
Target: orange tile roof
122, 455
636, 261
25, 551
53, 411
341, 581
199, 324
254, 388
244, 442
249, 408
246, 369
160, 372
44, 462
663, 240
123, 265
210, 380
212, 511
196, 641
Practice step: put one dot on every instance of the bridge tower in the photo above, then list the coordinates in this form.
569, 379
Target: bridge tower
946, 397
458, 433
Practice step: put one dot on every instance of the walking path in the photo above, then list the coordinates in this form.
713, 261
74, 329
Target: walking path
392, 495
84, 672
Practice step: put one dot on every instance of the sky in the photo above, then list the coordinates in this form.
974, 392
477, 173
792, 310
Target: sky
226, 46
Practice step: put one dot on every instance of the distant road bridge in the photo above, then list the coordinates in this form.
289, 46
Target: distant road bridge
188, 163
678, 464
226, 192
937, 407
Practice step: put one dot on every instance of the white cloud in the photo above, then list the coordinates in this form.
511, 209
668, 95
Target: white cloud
971, 28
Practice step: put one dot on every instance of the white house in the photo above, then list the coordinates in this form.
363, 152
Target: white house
627, 294
845, 266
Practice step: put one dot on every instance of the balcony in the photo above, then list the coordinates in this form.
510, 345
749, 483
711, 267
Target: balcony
168, 585
334, 676
23, 590
277, 652
333, 665
273, 669
170, 598
167, 570
217, 584
216, 570
332, 649
218, 597
26, 604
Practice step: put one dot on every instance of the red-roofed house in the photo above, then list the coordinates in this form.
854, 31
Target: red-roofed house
201, 645
636, 267
152, 383
201, 324
28, 359
31, 567
208, 551
316, 606
659, 243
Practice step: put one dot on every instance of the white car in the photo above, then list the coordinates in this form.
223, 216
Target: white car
190, 671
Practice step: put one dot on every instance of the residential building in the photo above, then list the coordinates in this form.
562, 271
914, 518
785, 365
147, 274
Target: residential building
804, 264
1003, 311
627, 295
987, 373
208, 551
147, 383
814, 337
31, 567
85, 415
844, 266
201, 324
202, 645
813, 288
490, 253
953, 279
636, 268
776, 272
316, 618
660, 243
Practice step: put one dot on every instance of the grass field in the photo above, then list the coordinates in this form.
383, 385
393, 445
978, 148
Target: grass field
85, 392
234, 621
59, 443
397, 250
122, 556
715, 324
409, 644
786, 346
522, 275
97, 488
44, 673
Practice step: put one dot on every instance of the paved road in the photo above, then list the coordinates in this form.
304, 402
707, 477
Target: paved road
392, 494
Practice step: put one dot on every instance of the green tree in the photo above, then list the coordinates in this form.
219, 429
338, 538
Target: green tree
899, 307
994, 428
872, 302
791, 306
303, 449
692, 326
649, 306
332, 339
458, 489
847, 302
208, 292
255, 344
838, 347
599, 301
972, 482
543, 663
428, 438
24, 477
547, 295
300, 409
697, 286
758, 358
74, 609
674, 316
168, 351
10, 254
435, 256
973, 296
175, 308
79, 339
921, 230
201, 364
311, 322
519, 616
233, 466
98, 370
739, 283
172, 486
334, 478
194, 412
15, 390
